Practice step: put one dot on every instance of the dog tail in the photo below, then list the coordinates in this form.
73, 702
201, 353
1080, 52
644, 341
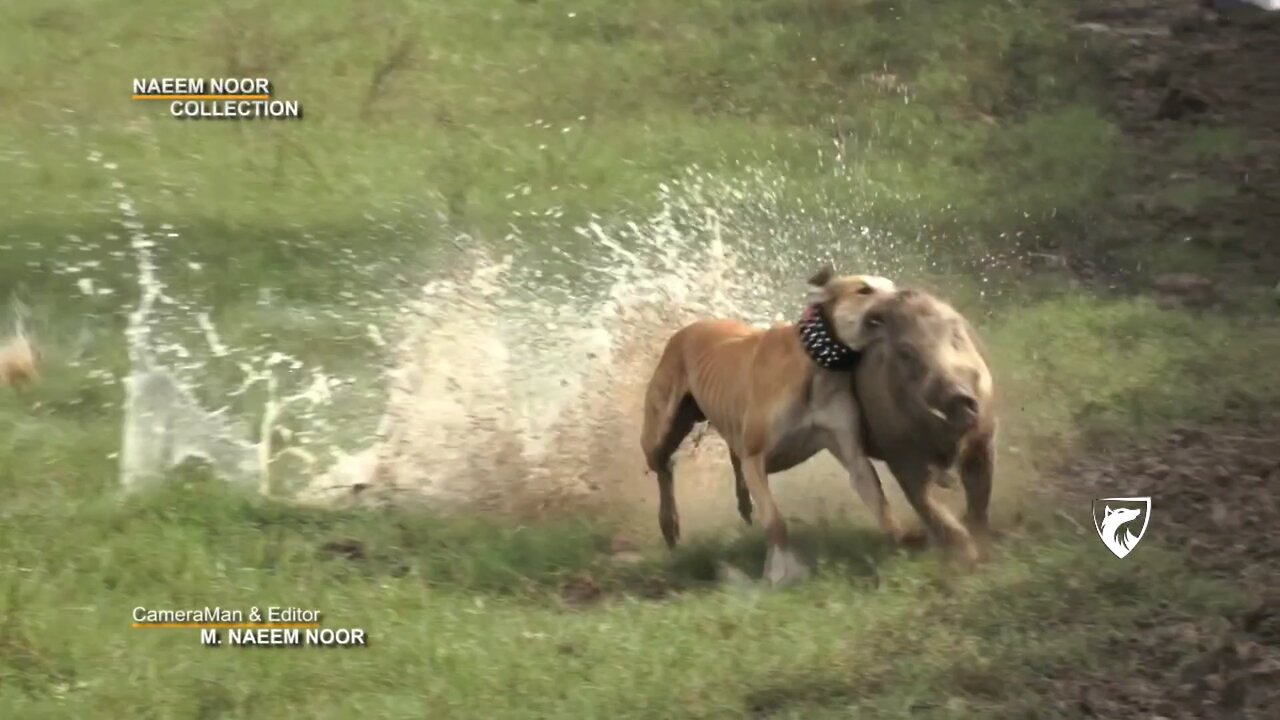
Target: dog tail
668, 391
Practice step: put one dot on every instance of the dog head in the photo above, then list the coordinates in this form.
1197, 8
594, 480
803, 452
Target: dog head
843, 302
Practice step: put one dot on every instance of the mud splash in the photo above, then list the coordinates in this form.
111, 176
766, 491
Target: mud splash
517, 385
515, 372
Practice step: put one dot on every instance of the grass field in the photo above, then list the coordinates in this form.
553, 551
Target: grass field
465, 620
974, 128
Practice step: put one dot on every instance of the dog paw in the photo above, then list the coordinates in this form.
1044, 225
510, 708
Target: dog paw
965, 555
783, 567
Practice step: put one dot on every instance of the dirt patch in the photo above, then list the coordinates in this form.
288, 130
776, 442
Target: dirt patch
1213, 490
349, 548
581, 591
1196, 93
808, 691
1187, 669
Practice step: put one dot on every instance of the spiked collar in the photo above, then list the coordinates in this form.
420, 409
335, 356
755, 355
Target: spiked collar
820, 342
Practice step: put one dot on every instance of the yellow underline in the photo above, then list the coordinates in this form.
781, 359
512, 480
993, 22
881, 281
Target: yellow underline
228, 626
201, 97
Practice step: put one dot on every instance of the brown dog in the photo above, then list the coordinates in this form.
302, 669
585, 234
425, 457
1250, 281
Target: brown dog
927, 399
777, 397
18, 362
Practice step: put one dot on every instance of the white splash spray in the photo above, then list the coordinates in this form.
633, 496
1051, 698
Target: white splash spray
516, 378
515, 388
164, 423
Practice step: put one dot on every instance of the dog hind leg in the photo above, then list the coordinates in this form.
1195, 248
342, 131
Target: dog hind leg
740, 487
687, 415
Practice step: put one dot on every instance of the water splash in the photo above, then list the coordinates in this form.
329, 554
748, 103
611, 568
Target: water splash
516, 370
164, 422
517, 384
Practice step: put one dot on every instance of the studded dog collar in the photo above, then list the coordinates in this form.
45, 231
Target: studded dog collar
821, 344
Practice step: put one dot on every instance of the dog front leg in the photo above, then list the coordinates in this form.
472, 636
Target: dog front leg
866, 483
781, 565
862, 474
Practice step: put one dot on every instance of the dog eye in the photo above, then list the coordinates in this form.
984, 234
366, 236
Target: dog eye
866, 290
874, 321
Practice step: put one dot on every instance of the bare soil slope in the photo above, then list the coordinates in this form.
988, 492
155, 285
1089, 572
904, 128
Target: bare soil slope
1184, 69
1181, 70
1213, 489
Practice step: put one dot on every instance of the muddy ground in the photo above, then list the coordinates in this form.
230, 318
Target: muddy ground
1213, 495
1179, 67
1182, 65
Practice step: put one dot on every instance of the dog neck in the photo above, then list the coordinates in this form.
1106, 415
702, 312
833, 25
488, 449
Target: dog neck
820, 342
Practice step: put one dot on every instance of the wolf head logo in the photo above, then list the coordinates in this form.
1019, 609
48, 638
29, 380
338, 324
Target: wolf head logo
1115, 520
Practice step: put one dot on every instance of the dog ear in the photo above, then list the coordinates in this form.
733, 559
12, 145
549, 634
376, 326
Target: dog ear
819, 293
823, 276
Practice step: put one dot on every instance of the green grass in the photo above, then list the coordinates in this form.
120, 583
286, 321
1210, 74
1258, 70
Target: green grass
466, 616
1188, 195
965, 131
1123, 369
1204, 143
586, 105
465, 619
426, 120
